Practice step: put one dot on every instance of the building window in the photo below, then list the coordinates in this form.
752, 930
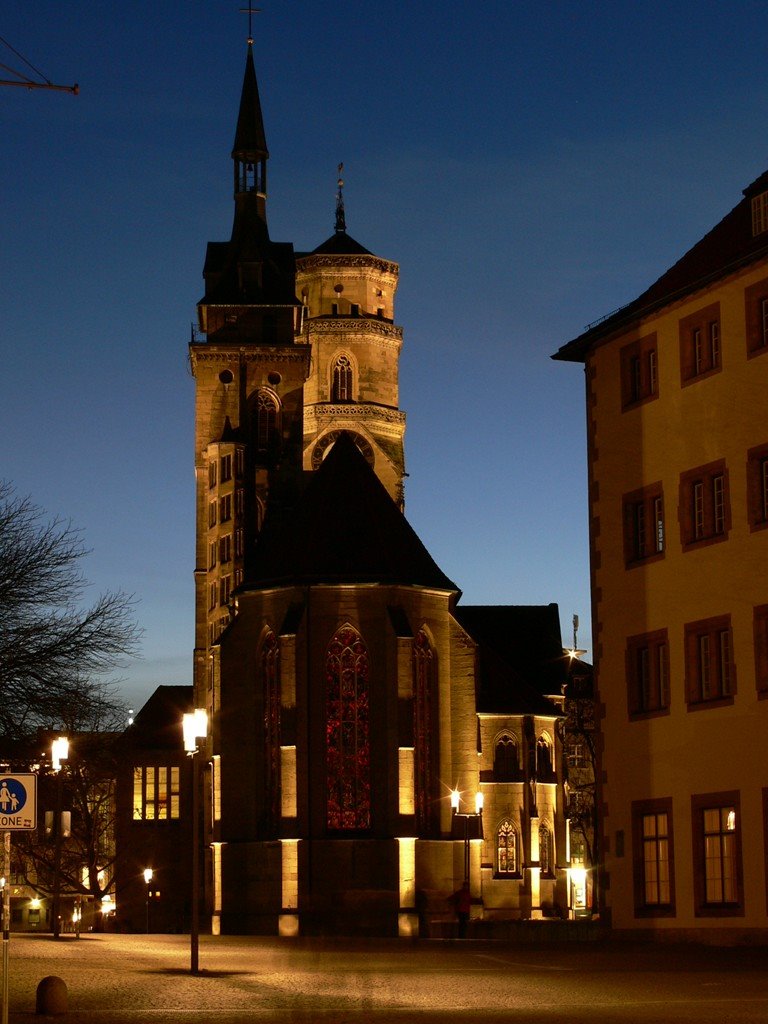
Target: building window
506, 764
354, 309
760, 213
424, 735
213, 596
155, 793
647, 662
341, 390
718, 885
212, 508
546, 860
757, 487
225, 549
226, 468
239, 547
507, 857
225, 587
705, 513
239, 462
653, 858
265, 425
545, 771
643, 525
348, 751
239, 501
639, 372
756, 317
270, 658
760, 622
225, 508
212, 548
212, 473
700, 343
709, 669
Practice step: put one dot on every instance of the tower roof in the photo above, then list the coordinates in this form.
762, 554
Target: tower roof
250, 139
340, 244
344, 529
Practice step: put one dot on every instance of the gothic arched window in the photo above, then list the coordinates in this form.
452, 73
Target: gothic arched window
544, 767
342, 380
545, 850
265, 421
348, 753
505, 761
506, 849
424, 722
269, 662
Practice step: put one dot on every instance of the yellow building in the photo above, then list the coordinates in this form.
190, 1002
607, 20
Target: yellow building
678, 490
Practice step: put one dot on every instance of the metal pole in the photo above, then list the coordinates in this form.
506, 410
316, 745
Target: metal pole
466, 847
194, 927
6, 918
57, 857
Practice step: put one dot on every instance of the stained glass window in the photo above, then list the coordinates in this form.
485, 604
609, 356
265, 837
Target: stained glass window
506, 845
423, 725
348, 754
545, 850
270, 653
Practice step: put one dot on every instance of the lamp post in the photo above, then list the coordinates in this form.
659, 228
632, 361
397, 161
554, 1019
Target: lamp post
147, 879
466, 815
59, 753
195, 727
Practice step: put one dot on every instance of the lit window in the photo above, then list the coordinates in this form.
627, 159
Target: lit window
717, 851
760, 213
155, 793
506, 850
653, 858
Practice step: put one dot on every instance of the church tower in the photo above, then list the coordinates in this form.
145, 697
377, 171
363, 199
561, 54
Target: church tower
250, 362
347, 297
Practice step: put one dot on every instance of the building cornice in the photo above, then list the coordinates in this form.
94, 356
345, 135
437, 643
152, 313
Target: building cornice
354, 325
323, 261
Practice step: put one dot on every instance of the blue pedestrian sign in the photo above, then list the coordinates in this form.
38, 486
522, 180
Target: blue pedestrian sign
18, 802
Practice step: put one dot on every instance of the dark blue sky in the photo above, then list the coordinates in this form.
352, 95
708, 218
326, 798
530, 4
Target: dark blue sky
531, 166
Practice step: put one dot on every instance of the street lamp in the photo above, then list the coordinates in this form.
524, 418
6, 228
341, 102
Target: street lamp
59, 753
466, 815
147, 879
195, 727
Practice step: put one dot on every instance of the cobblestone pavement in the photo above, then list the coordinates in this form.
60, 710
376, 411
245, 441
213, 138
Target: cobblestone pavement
127, 979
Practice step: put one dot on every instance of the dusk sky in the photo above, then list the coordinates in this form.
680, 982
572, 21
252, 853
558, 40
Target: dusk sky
530, 166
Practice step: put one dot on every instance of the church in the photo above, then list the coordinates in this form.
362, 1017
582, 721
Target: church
373, 745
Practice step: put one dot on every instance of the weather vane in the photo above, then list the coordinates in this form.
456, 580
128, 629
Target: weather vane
250, 10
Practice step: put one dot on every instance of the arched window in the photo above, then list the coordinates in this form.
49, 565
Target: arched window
342, 380
506, 849
265, 421
545, 850
424, 733
270, 654
348, 754
543, 758
505, 761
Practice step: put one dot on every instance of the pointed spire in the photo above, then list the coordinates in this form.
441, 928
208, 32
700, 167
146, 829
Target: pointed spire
250, 152
341, 224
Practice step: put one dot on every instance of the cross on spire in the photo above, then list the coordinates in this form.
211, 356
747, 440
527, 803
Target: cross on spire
250, 10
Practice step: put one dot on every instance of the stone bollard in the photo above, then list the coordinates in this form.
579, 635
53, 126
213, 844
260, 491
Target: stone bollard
51, 996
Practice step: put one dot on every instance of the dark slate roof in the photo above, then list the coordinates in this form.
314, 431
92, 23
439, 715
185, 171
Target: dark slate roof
729, 245
526, 639
340, 244
250, 139
157, 726
344, 529
503, 691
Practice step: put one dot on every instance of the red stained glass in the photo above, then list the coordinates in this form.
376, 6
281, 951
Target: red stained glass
348, 754
423, 714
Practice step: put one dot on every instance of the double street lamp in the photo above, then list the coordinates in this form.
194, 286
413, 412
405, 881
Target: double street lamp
195, 727
477, 816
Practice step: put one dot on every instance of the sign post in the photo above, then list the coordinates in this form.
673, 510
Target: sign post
18, 812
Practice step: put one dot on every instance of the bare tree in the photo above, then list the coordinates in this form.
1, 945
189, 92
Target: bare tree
54, 651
